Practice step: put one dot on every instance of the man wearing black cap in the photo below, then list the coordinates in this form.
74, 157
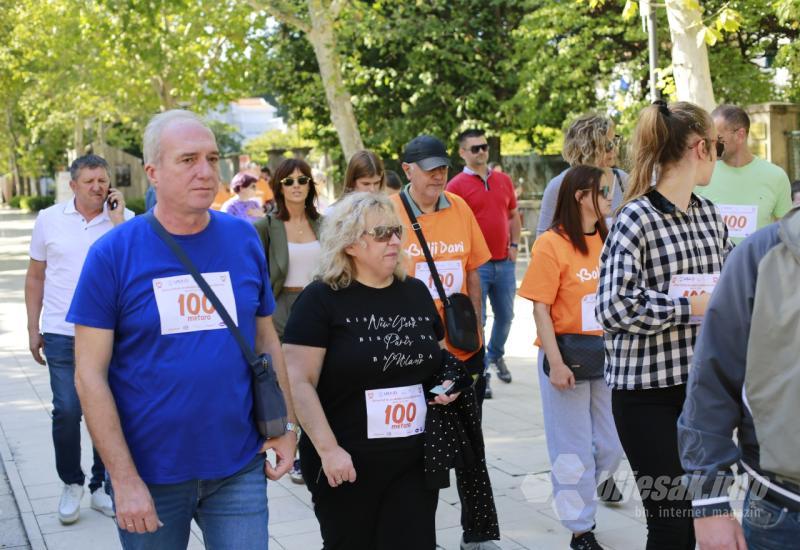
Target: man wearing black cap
455, 241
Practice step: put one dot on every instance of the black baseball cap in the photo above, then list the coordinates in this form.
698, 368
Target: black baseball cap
427, 151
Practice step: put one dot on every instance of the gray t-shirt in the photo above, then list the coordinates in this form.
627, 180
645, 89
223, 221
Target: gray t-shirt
550, 198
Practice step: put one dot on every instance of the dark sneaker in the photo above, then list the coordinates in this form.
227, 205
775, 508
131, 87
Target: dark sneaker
502, 370
585, 541
483, 545
608, 492
487, 394
295, 474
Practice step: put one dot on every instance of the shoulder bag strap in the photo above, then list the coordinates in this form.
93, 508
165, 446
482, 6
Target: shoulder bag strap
248, 352
424, 244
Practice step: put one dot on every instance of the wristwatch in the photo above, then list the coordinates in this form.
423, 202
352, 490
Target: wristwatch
292, 427
514, 245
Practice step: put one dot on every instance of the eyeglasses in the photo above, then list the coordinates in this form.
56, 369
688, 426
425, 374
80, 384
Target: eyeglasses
614, 142
605, 191
300, 180
475, 149
720, 145
384, 233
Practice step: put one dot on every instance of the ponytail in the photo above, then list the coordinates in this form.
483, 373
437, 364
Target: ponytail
660, 140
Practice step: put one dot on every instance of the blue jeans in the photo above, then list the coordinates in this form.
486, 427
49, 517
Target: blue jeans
769, 526
499, 283
231, 512
60, 352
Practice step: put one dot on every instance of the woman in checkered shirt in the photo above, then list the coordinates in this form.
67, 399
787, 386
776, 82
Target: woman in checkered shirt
650, 316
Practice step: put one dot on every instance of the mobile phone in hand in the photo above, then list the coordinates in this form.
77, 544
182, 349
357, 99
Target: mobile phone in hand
442, 390
112, 203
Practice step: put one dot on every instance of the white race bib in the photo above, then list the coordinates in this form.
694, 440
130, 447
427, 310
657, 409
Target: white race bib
588, 318
396, 412
742, 221
692, 285
183, 307
451, 273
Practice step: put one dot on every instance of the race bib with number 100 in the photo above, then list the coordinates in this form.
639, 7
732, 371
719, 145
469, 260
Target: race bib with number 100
742, 221
451, 273
686, 286
396, 412
182, 306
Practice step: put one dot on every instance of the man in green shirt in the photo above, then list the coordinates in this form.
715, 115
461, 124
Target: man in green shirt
750, 192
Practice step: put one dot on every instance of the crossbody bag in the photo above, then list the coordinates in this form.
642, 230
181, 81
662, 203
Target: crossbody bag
460, 319
269, 406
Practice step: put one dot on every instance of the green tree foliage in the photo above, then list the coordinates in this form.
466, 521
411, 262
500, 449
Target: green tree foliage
411, 67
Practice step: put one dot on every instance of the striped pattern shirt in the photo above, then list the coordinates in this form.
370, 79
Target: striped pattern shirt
648, 338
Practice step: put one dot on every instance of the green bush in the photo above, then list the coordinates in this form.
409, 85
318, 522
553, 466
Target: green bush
136, 205
15, 201
34, 204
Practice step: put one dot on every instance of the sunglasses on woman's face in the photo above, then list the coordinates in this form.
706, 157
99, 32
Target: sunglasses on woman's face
614, 142
475, 149
300, 180
605, 191
384, 233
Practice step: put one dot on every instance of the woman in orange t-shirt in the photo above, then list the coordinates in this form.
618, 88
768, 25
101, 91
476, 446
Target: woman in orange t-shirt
562, 281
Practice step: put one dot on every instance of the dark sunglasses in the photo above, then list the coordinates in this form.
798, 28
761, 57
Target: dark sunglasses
300, 180
384, 233
615, 141
476, 148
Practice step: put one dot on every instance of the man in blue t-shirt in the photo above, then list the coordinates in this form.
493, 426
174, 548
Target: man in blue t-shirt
164, 386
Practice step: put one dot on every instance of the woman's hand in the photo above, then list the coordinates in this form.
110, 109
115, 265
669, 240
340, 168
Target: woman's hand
561, 376
445, 398
338, 466
698, 304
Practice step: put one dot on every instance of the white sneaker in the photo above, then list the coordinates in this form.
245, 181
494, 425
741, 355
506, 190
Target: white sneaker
102, 503
69, 507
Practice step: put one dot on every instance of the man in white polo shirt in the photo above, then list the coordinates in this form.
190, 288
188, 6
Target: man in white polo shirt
61, 239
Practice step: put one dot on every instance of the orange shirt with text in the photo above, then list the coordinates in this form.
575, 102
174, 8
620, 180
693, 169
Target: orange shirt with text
456, 244
566, 280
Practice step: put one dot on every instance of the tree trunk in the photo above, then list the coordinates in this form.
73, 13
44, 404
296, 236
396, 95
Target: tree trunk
689, 62
322, 39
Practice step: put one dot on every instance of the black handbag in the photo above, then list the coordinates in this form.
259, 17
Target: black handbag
584, 354
460, 319
269, 406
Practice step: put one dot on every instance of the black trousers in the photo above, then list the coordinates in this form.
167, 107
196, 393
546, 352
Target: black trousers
387, 508
646, 422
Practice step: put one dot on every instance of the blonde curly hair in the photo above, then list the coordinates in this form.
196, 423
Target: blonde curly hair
344, 225
585, 139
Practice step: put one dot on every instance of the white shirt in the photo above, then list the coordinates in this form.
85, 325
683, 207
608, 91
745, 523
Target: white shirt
61, 237
303, 261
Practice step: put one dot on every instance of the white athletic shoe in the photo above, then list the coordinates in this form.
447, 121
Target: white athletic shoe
69, 506
102, 503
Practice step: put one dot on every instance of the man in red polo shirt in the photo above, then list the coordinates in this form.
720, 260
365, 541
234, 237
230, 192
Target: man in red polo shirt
491, 197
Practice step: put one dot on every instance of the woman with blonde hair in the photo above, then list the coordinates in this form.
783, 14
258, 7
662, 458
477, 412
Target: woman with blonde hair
361, 341
589, 140
658, 268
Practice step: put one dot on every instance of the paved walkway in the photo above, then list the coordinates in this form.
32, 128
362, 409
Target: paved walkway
513, 427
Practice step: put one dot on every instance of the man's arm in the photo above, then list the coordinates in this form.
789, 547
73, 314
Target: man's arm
267, 341
515, 227
134, 505
34, 295
474, 292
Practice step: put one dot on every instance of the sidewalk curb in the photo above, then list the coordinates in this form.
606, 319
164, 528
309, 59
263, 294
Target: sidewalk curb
32, 531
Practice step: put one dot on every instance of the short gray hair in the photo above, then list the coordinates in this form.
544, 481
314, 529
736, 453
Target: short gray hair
151, 143
733, 115
86, 161
344, 226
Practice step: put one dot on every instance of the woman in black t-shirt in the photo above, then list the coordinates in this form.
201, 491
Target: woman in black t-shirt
360, 344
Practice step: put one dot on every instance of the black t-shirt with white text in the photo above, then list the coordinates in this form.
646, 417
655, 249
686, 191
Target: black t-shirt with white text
374, 338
